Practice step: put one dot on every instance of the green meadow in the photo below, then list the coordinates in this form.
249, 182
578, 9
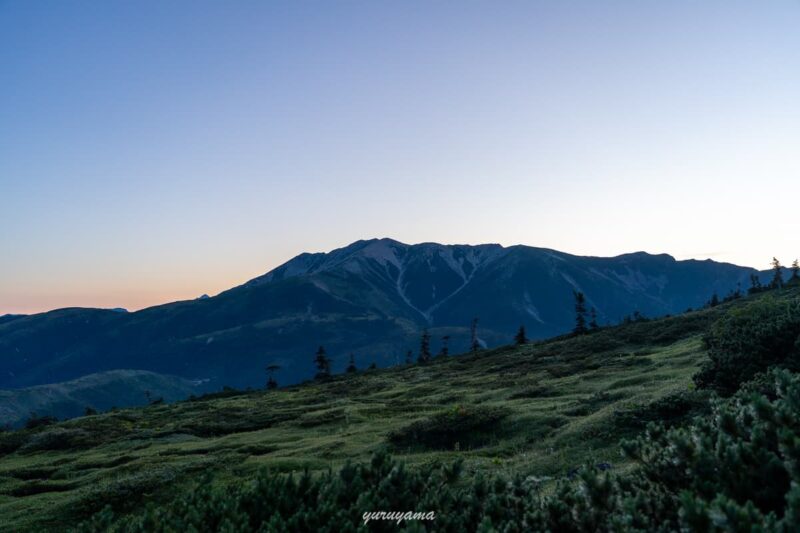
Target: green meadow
540, 409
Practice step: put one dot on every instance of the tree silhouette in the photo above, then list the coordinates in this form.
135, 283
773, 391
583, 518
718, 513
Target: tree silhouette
323, 363
425, 347
445, 351
593, 325
271, 383
351, 368
474, 344
520, 337
795, 270
580, 313
409, 357
777, 277
755, 284
714, 301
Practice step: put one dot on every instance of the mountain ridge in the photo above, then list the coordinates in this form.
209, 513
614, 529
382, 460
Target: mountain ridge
371, 298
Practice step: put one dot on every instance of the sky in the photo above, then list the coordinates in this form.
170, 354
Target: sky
155, 151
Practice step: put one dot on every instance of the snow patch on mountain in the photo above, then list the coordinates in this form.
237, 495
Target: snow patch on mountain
530, 308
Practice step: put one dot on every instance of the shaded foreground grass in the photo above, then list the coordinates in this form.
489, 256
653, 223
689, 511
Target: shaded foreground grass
540, 409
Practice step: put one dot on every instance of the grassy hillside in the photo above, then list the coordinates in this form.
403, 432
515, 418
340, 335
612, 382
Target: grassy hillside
539, 409
100, 391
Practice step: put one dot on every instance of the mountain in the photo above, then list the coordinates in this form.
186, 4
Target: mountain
100, 391
371, 298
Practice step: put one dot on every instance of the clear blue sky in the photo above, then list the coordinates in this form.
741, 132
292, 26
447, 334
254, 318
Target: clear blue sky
153, 151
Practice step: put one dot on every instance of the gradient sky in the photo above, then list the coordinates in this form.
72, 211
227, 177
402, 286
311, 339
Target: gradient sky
154, 151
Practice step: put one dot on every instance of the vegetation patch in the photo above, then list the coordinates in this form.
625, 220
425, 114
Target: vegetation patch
669, 410
460, 427
321, 418
539, 391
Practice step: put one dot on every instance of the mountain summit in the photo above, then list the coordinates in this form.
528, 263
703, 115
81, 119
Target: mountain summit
372, 298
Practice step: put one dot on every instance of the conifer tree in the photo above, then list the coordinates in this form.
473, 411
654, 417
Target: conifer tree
795, 270
755, 284
425, 347
323, 363
714, 301
271, 383
409, 357
777, 278
445, 351
351, 368
474, 344
580, 313
593, 325
520, 338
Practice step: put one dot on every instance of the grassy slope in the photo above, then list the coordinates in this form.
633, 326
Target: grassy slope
561, 396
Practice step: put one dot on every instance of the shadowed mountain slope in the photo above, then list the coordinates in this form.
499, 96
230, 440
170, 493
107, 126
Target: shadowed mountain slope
372, 298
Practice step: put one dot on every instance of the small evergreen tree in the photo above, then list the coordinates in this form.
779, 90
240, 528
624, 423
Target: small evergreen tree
474, 344
271, 383
323, 363
714, 301
409, 357
593, 325
372, 366
795, 271
351, 368
445, 351
89, 411
425, 347
755, 284
520, 338
580, 313
777, 277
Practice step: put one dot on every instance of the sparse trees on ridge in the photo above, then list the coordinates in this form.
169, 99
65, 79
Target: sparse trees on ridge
474, 344
520, 338
755, 284
271, 383
580, 313
714, 301
445, 351
777, 276
425, 347
323, 363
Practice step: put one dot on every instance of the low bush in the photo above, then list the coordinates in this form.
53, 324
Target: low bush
672, 409
58, 438
749, 340
464, 427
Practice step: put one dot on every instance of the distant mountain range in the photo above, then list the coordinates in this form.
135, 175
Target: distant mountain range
372, 298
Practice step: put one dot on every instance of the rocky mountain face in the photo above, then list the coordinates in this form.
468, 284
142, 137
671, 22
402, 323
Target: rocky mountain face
372, 298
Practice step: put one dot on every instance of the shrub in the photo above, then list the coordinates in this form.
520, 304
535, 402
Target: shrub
669, 410
36, 421
58, 439
749, 340
463, 426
